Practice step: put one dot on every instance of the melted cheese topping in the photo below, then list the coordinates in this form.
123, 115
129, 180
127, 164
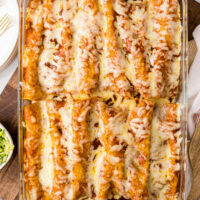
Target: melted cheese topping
161, 176
100, 171
86, 56
80, 30
54, 67
46, 172
93, 52
165, 42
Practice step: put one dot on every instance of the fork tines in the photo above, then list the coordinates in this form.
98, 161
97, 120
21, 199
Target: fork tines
5, 21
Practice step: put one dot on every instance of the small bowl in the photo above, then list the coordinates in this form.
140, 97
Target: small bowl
11, 141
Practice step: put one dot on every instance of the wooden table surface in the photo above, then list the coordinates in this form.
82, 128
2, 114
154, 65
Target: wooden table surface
8, 117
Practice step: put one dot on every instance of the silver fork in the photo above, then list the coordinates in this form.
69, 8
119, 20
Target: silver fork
5, 21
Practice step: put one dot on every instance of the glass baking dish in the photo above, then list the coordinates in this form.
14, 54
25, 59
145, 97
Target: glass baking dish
182, 99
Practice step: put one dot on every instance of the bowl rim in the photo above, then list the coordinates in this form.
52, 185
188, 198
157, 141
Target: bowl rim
11, 141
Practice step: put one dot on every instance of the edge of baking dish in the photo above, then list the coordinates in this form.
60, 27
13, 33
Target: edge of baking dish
182, 99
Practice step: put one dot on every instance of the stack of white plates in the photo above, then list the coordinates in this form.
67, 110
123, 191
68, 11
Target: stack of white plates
8, 40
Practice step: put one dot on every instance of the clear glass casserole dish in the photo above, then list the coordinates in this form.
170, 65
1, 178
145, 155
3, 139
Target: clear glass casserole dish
182, 99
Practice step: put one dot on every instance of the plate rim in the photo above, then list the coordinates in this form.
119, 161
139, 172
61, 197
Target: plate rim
11, 56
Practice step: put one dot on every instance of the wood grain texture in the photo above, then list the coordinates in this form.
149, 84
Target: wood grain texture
194, 152
8, 117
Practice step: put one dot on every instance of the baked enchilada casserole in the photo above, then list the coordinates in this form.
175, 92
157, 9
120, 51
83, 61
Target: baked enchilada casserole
102, 79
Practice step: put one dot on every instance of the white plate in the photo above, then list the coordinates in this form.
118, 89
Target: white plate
9, 38
11, 141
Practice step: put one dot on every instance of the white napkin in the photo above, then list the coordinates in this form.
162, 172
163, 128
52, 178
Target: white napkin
194, 98
194, 84
8, 40
7, 74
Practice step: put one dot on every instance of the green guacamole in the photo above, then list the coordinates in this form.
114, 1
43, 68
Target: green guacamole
5, 147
